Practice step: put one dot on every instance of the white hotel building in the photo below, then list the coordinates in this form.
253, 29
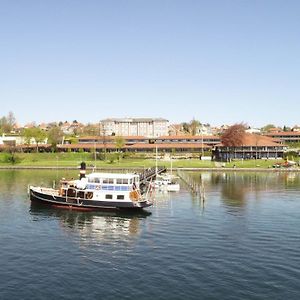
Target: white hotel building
149, 127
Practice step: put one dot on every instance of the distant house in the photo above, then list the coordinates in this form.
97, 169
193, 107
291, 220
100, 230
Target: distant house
296, 128
175, 129
253, 147
253, 130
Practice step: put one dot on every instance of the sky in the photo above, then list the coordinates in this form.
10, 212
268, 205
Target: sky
216, 61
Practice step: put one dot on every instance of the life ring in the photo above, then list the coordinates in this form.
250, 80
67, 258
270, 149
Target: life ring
89, 195
134, 195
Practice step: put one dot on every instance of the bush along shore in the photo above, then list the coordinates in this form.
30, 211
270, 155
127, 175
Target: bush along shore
118, 161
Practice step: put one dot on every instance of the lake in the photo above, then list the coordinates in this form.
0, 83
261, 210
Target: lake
242, 242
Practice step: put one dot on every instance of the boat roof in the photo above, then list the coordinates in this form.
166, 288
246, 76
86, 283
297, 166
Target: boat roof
112, 175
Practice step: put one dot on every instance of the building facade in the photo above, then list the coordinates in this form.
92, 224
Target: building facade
149, 127
253, 147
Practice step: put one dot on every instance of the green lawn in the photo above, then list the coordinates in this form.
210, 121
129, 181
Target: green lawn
74, 159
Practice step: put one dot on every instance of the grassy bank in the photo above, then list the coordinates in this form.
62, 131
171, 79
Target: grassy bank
73, 160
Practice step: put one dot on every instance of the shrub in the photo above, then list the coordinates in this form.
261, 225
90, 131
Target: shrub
11, 158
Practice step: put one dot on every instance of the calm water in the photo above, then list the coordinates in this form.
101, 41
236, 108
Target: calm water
243, 243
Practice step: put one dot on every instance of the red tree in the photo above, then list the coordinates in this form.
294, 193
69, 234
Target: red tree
234, 135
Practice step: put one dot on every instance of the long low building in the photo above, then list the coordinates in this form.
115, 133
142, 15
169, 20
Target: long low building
253, 147
286, 136
138, 147
176, 139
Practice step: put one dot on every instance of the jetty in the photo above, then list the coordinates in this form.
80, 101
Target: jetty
150, 173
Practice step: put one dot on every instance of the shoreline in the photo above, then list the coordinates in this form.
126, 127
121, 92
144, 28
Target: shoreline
222, 169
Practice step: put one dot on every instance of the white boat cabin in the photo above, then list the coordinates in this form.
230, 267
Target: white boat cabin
105, 187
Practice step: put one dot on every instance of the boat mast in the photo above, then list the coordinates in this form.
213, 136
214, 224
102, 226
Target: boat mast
156, 168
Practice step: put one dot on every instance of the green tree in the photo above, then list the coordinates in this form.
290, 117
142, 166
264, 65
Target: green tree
185, 127
267, 127
55, 136
119, 142
34, 133
193, 126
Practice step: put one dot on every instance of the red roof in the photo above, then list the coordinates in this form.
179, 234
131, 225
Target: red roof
250, 139
136, 146
284, 133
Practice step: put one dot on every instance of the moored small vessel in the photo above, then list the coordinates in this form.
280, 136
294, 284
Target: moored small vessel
96, 191
166, 183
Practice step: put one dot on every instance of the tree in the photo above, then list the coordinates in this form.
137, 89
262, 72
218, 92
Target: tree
119, 142
267, 127
185, 127
233, 136
34, 133
91, 129
55, 136
7, 123
193, 126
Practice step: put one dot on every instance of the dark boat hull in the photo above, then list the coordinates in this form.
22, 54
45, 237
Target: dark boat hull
82, 204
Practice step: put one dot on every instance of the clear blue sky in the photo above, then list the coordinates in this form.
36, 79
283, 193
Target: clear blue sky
216, 61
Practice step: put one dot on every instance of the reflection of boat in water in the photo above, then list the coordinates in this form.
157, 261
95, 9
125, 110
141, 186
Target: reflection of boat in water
96, 225
96, 191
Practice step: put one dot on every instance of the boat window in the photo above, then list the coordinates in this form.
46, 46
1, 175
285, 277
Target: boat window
120, 197
108, 196
122, 181
97, 180
91, 179
108, 180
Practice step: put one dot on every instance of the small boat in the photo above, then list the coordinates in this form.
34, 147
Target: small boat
96, 191
166, 183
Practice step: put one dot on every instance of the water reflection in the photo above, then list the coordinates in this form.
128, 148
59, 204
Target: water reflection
236, 187
92, 226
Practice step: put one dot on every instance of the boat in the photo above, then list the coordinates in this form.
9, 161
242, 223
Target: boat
96, 191
166, 182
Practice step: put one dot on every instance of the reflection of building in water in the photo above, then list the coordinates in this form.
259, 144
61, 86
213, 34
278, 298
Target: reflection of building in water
94, 226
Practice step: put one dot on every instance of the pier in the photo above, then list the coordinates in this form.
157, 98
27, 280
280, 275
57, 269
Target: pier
150, 173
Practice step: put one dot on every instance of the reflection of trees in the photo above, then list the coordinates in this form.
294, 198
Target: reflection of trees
16, 180
235, 186
233, 190
8, 180
291, 179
